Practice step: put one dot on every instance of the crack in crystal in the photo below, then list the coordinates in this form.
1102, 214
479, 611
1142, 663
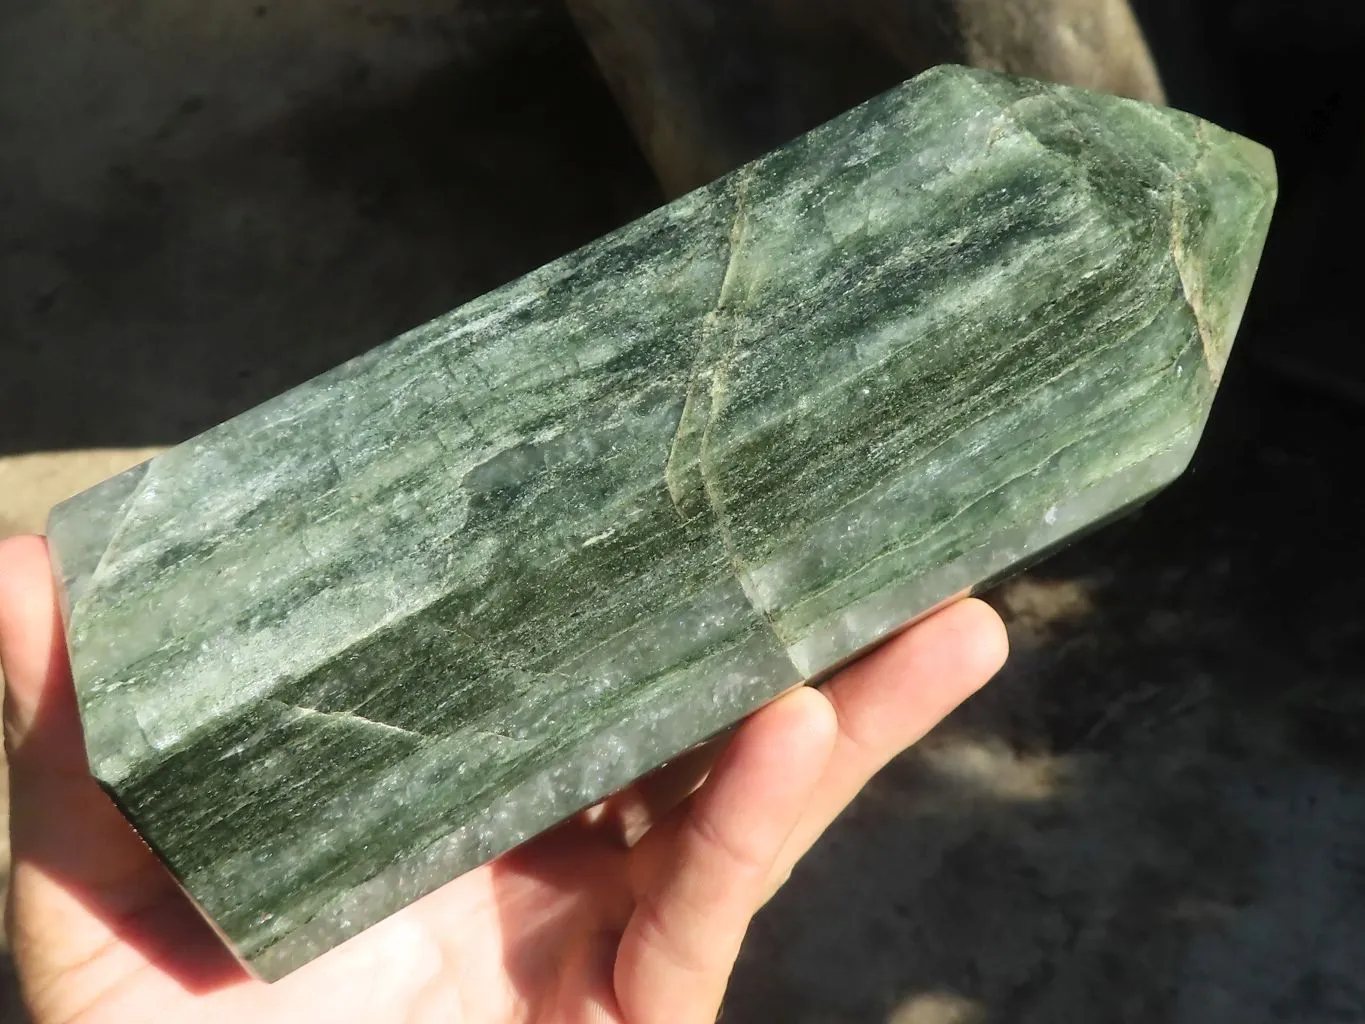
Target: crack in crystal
673, 471
719, 380
128, 507
718, 368
738, 224
1191, 282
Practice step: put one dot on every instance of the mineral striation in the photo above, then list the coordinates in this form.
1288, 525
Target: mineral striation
366, 637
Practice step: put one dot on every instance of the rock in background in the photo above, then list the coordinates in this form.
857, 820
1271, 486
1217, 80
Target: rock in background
710, 84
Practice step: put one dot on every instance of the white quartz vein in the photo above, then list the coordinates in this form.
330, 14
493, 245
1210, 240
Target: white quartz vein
351, 718
129, 507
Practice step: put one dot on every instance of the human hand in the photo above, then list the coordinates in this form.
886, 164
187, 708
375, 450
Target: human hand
631, 914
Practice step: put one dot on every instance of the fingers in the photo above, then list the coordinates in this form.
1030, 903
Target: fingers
82, 885
38, 694
57, 811
716, 856
629, 815
893, 698
784, 779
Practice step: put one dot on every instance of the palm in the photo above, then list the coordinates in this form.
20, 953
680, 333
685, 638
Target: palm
510, 942
490, 944
633, 913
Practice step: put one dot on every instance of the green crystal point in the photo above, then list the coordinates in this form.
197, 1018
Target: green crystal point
363, 638
1212, 239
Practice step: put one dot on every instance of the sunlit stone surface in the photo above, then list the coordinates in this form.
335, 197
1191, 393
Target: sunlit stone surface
339, 650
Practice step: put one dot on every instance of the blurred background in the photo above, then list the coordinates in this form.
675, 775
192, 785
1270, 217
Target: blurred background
1157, 813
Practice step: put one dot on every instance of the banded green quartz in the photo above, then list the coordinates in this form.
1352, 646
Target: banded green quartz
364, 638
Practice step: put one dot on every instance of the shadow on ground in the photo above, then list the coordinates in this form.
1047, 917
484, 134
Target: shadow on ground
1156, 814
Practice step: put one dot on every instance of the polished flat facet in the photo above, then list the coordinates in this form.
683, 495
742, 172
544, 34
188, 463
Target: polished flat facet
376, 632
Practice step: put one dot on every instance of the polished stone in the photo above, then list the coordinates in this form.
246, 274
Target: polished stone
372, 634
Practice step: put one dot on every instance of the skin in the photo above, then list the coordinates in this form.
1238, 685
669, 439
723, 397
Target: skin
633, 913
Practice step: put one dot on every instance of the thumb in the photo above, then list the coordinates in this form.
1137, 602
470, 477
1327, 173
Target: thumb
59, 817
89, 902
42, 727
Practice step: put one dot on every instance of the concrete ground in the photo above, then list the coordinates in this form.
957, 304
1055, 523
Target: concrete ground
1156, 814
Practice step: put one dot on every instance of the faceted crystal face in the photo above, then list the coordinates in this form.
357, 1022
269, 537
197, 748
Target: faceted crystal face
368, 636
